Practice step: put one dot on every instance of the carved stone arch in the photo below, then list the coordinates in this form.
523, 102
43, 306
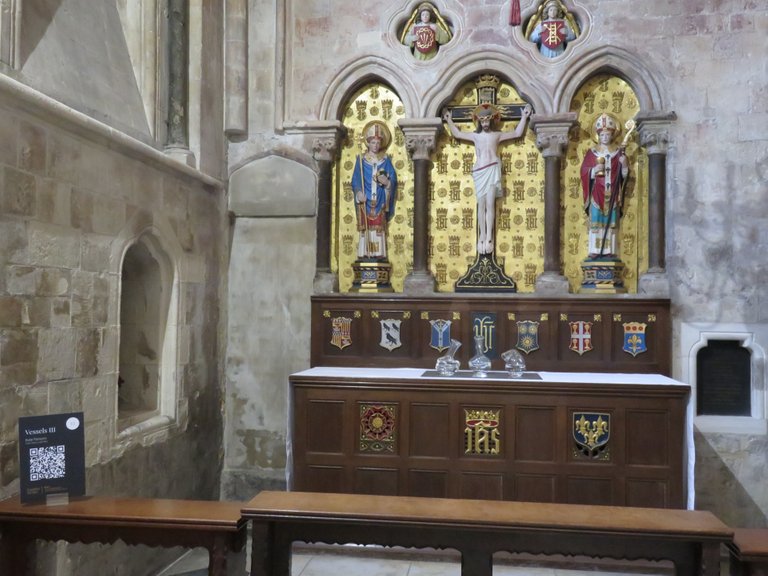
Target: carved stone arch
359, 72
149, 240
619, 62
487, 61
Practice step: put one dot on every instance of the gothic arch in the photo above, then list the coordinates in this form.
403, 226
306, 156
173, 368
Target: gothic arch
619, 62
486, 61
359, 72
155, 239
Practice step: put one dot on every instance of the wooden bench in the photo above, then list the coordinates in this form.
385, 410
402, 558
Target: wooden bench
749, 552
479, 528
216, 526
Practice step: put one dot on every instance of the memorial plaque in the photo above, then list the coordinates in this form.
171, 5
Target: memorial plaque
723, 380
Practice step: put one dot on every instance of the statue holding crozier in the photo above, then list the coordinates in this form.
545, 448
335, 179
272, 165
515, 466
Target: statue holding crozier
374, 185
604, 173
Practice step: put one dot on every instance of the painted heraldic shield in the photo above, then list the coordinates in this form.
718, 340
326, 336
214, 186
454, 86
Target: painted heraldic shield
441, 334
634, 338
581, 337
341, 336
390, 334
527, 336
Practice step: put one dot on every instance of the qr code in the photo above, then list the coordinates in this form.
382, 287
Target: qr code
46, 463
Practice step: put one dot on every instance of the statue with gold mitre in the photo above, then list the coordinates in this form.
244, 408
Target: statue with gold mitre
604, 172
374, 187
425, 32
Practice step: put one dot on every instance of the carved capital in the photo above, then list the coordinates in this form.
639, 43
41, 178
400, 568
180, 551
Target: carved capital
420, 146
653, 128
325, 148
552, 133
551, 143
322, 137
420, 136
655, 139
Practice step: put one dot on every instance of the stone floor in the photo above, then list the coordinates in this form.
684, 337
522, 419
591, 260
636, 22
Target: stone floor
341, 561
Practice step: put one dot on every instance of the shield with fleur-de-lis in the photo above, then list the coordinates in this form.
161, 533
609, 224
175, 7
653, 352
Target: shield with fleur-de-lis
634, 338
591, 431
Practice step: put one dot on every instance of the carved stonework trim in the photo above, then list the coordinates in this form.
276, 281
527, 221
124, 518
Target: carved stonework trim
654, 139
325, 148
552, 133
551, 143
653, 128
420, 136
420, 146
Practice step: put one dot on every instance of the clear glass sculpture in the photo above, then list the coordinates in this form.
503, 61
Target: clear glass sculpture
479, 363
514, 363
447, 365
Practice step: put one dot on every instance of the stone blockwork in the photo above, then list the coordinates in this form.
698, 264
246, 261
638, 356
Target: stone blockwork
701, 59
66, 204
75, 193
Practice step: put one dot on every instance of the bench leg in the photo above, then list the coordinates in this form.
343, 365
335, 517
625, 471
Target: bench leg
13, 553
270, 551
261, 548
710, 560
476, 563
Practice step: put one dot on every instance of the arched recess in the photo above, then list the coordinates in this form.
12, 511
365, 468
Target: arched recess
363, 71
487, 61
617, 62
147, 260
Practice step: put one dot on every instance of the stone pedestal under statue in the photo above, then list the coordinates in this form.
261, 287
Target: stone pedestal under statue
485, 275
603, 276
371, 276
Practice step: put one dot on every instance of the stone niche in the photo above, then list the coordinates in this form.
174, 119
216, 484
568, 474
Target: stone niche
725, 367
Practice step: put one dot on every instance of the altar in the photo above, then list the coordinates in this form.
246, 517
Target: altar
583, 438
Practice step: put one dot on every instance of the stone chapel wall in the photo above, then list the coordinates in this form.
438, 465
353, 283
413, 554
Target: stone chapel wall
81, 180
701, 60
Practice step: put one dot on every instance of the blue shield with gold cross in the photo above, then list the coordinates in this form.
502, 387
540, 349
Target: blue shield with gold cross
634, 338
441, 334
527, 336
591, 431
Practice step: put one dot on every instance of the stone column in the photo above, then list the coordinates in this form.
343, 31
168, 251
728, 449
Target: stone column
236, 68
177, 141
420, 140
326, 142
552, 141
654, 137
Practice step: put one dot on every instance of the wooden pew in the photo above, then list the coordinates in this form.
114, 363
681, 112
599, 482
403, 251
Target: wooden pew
478, 528
749, 552
216, 526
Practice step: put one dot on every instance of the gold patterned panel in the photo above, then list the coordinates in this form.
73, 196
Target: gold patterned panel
519, 213
612, 95
372, 102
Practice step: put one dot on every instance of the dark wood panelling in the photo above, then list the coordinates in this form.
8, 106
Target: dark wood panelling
606, 314
535, 488
536, 457
323, 431
647, 437
430, 483
377, 481
481, 486
429, 435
